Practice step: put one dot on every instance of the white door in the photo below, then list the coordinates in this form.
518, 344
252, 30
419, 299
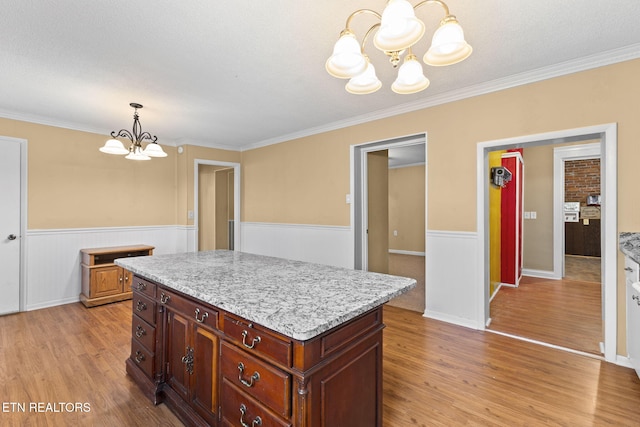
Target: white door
10, 163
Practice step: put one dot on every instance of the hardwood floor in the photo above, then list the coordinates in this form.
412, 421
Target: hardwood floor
435, 374
565, 313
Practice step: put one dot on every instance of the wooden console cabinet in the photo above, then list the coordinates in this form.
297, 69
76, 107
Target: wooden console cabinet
212, 367
103, 281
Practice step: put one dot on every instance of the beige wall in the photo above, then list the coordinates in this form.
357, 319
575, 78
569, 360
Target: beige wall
406, 208
289, 182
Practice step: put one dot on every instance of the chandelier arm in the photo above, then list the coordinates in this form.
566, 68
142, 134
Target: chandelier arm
122, 134
359, 12
147, 135
366, 35
440, 2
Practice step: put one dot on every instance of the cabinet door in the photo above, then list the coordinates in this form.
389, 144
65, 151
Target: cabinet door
127, 279
633, 326
204, 381
106, 281
180, 355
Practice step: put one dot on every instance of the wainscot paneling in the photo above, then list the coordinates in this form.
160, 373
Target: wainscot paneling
452, 280
331, 245
53, 257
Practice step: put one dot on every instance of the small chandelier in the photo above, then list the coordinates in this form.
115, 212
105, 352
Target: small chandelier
397, 31
135, 151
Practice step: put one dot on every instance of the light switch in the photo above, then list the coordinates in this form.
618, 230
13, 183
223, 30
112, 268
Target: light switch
395, 233
527, 215
190, 214
348, 198
533, 214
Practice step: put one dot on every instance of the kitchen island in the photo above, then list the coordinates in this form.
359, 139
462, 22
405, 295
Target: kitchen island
234, 339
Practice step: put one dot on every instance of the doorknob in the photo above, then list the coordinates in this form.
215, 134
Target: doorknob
12, 237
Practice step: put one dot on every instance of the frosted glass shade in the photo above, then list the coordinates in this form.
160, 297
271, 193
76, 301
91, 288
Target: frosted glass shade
448, 45
364, 83
137, 154
154, 150
410, 77
113, 146
347, 60
399, 27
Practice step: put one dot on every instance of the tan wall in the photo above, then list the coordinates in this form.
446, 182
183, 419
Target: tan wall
406, 208
290, 182
73, 185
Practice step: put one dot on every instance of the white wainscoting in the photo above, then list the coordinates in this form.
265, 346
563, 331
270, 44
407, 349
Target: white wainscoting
53, 257
330, 245
452, 280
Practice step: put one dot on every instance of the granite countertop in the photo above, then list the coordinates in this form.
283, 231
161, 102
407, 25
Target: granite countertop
630, 245
297, 299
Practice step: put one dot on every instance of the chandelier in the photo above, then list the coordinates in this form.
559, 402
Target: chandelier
397, 31
135, 151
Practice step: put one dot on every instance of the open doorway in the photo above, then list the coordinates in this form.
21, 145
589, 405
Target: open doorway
563, 310
216, 205
389, 211
608, 136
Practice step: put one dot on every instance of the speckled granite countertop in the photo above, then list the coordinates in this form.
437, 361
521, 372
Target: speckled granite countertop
297, 299
630, 245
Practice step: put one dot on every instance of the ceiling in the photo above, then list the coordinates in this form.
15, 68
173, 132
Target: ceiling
241, 74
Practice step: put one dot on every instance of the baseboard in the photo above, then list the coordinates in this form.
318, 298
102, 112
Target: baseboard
542, 274
53, 303
467, 323
401, 252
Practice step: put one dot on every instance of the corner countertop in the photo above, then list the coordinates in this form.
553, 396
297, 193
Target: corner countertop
630, 245
297, 299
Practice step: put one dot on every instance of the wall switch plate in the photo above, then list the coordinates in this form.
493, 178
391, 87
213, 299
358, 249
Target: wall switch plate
348, 198
527, 215
190, 214
395, 233
534, 215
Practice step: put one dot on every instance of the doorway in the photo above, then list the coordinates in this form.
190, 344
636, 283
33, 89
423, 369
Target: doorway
389, 211
607, 134
216, 205
13, 211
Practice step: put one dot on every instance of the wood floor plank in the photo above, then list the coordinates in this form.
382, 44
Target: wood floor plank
435, 374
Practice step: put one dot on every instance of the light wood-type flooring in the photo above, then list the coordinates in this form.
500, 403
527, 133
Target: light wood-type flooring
435, 374
565, 313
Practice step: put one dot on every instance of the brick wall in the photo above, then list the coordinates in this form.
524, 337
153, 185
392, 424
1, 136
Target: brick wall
581, 179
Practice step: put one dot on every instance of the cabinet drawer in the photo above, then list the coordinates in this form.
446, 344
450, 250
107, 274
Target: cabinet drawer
258, 340
144, 286
631, 270
266, 383
144, 333
142, 358
144, 307
199, 312
239, 409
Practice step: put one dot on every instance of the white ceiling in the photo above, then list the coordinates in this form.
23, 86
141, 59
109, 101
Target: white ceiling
244, 73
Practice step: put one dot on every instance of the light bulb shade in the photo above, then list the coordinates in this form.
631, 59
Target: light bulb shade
399, 27
113, 146
137, 154
154, 150
347, 60
410, 77
364, 83
448, 45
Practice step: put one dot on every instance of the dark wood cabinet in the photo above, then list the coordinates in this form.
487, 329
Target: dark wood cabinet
582, 239
221, 370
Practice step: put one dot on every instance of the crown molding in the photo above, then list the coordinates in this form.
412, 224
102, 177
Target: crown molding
564, 68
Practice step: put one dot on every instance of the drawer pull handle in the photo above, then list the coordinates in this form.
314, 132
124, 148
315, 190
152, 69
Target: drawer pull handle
629, 269
187, 359
164, 298
204, 316
254, 341
140, 331
636, 298
255, 377
257, 421
141, 306
142, 286
139, 357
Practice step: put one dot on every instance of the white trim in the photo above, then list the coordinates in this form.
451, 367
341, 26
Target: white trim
568, 67
236, 199
608, 135
560, 155
408, 165
57, 231
401, 252
542, 274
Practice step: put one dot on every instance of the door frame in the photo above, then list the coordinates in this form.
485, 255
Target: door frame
236, 196
358, 189
560, 155
607, 133
22, 241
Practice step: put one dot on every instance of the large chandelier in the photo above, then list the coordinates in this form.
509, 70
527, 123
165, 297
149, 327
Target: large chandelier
397, 31
135, 151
